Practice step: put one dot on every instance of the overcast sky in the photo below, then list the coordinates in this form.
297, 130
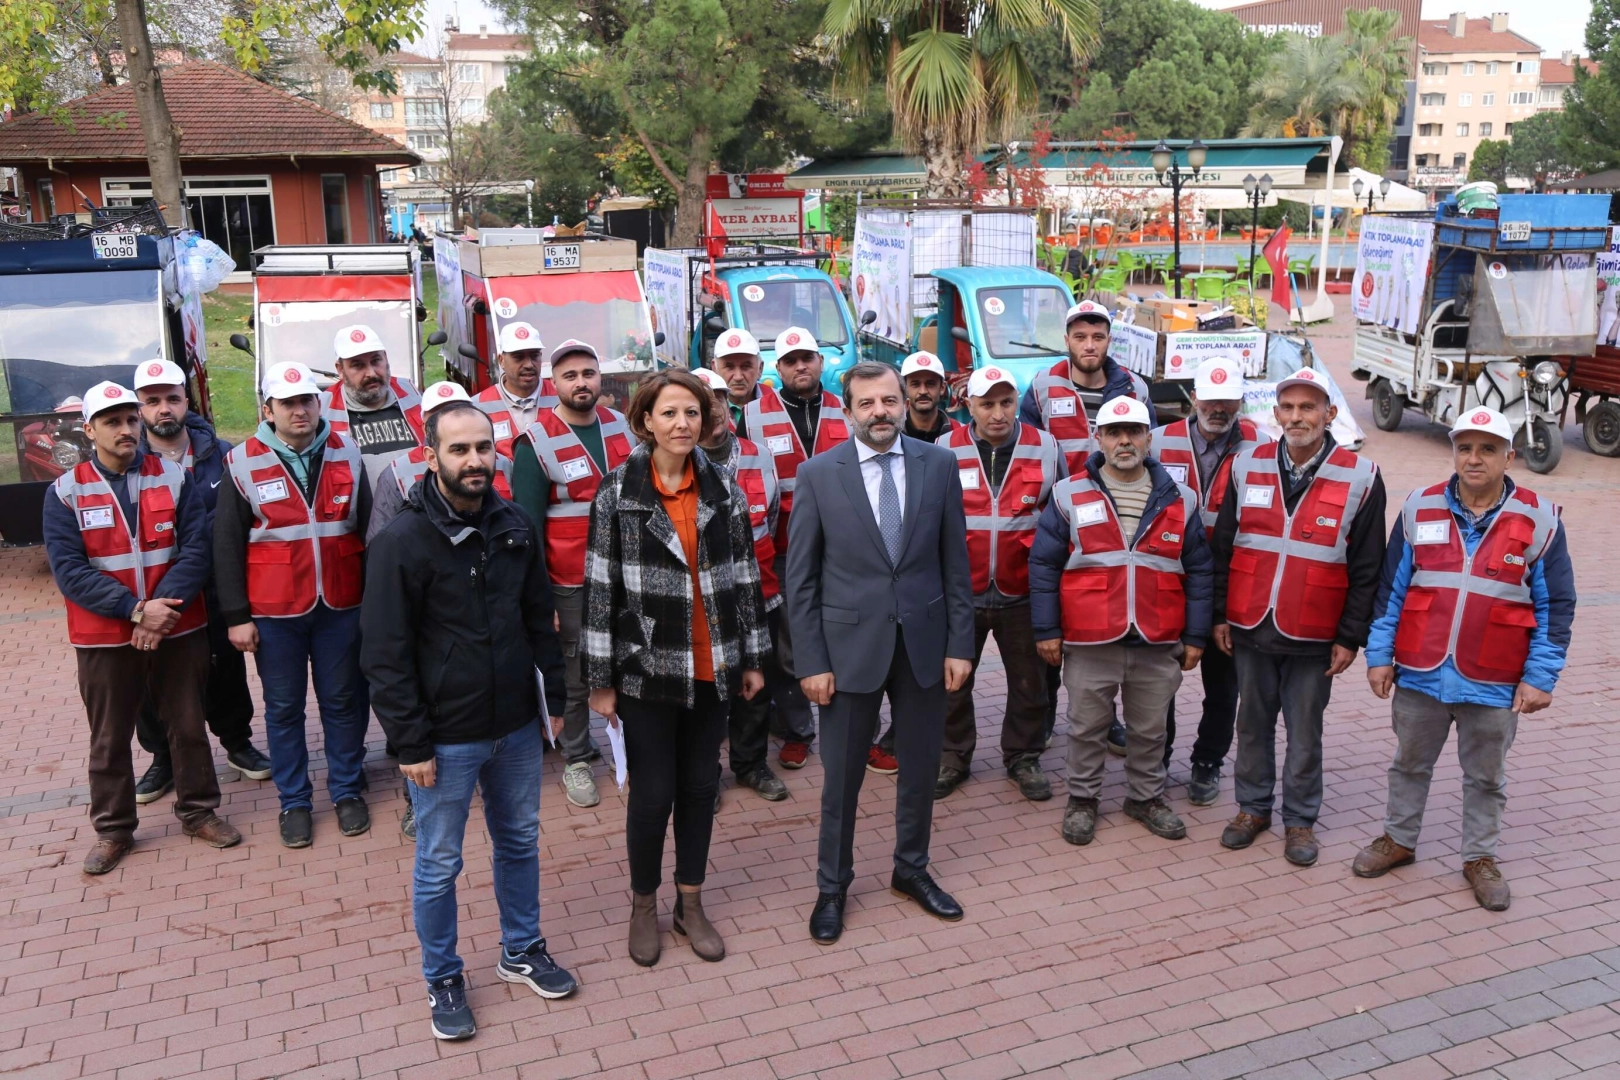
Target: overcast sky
1555, 25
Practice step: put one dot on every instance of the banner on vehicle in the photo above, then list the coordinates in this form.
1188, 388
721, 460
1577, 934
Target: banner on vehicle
1392, 264
1183, 352
1608, 286
880, 273
750, 218
1135, 348
668, 297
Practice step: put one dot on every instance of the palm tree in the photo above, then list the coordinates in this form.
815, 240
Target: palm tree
1377, 62
1304, 90
955, 69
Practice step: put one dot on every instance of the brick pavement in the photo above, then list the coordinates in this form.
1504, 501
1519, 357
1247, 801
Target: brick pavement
1131, 955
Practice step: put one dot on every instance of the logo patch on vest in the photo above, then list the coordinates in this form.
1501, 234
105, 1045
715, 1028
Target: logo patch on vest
1432, 532
1170, 537
272, 490
576, 469
970, 478
1178, 473
1029, 500
756, 509
1513, 560
1061, 406
1256, 495
96, 517
1327, 522
162, 526
779, 444
1091, 513
340, 499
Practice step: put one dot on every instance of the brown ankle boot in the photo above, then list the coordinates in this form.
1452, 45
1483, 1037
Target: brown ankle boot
1490, 889
644, 943
1380, 857
691, 923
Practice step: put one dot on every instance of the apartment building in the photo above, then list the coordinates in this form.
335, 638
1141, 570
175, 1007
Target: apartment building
1476, 78
1557, 76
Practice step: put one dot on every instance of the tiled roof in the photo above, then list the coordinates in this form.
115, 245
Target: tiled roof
1435, 37
410, 59
221, 113
505, 43
1559, 73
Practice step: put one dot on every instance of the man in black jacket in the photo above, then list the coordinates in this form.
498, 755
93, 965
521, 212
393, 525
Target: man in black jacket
455, 626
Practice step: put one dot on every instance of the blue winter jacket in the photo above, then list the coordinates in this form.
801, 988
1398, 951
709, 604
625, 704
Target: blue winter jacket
208, 450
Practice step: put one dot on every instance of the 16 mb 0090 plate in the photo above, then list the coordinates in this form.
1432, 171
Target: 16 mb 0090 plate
113, 245
562, 257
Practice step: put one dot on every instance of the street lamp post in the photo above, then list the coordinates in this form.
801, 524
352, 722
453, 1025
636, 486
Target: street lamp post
1382, 191
528, 196
1256, 190
1170, 175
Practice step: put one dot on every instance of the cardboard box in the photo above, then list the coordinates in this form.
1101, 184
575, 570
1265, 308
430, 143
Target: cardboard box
583, 255
1171, 316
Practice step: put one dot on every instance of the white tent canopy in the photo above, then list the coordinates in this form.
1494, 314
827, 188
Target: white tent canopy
1400, 196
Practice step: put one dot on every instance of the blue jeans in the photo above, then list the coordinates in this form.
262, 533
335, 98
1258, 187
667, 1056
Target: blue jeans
326, 644
507, 771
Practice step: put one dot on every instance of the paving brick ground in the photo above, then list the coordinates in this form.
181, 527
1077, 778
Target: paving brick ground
1132, 956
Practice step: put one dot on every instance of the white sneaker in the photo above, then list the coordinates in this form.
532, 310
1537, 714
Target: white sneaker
580, 785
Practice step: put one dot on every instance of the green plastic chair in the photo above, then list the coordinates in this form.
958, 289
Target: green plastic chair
1304, 267
1207, 287
1111, 280
1235, 290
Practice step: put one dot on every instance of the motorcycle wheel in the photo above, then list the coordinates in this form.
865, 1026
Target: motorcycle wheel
1602, 429
1544, 446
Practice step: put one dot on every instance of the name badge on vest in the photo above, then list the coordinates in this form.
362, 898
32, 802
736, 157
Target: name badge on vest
503, 430
1255, 495
272, 490
1091, 513
1432, 532
779, 444
575, 469
1062, 406
96, 517
970, 478
1178, 473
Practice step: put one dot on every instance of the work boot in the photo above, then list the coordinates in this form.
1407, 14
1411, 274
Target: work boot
1205, 786
214, 831
644, 943
1299, 845
1490, 889
949, 780
767, 783
692, 924
1032, 782
1241, 830
1080, 820
105, 855
1116, 738
1380, 857
1157, 816
155, 782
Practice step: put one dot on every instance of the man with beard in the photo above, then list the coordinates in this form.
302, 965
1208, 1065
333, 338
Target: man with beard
1120, 589
1198, 453
457, 620
1299, 548
793, 424
926, 397
1065, 400
521, 392
557, 465
393, 490
737, 361
173, 432
380, 413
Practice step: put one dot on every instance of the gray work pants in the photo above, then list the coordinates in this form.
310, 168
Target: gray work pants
1145, 678
575, 741
1298, 687
1484, 736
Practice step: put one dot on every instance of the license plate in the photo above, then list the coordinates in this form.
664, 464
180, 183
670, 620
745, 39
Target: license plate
562, 257
113, 246
1515, 230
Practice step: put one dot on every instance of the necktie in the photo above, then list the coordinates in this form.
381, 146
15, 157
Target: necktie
889, 508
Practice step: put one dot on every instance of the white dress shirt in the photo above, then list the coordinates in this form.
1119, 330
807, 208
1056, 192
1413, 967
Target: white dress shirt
872, 475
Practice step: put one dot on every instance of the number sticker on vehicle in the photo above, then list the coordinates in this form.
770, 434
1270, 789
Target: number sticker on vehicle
562, 256
113, 245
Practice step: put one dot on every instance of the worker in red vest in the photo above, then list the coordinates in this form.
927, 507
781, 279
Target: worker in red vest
403, 473
289, 540
792, 424
1007, 471
1120, 580
1472, 628
737, 361
745, 460
557, 465
1065, 400
127, 540
521, 391
1198, 452
927, 397
380, 412
1299, 546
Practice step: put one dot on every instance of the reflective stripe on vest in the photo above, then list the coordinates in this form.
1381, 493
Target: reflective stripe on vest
769, 425
1110, 586
1294, 565
1478, 610
298, 552
335, 410
499, 411
1064, 414
1001, 525
110, 546
574, 479
411, 467
756, 477
1173, 447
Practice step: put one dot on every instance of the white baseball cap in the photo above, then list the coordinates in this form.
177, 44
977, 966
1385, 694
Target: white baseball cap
1479, 418
1306, 377
519, 337
1085, 309
289, 380
159, 372
711, 378
923, 361
1218, 379
442, 393
983, 379
735, 342
574, 345
107, 395
352, 341
796, 339
1123, 410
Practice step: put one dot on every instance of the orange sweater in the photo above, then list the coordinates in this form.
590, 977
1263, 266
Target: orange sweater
682, 507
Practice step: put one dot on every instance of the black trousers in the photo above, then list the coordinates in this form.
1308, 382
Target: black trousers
1023, 722
847, 728
673, 756
750, 725
1219, 718
228, 703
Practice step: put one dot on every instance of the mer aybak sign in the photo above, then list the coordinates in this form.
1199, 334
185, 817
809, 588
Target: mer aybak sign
754, 217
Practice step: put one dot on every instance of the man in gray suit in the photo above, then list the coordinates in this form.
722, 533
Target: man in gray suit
879, 593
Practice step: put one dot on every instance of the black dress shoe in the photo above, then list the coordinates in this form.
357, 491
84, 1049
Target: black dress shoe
827, 920
930, 897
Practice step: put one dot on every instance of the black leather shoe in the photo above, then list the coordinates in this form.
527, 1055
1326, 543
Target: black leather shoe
154, 783
930, 897
827, 920
1116, 738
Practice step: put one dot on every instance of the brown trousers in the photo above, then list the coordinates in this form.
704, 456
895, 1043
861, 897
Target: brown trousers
113, 682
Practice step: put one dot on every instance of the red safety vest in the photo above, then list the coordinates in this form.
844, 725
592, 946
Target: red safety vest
410, 468
1110, 585
1064, 414
298, 554
495, 406
768, 423
336, 411
574, 480
1173, 447
1294, 566
756, 476
1477, 609
109, 544
1001, 525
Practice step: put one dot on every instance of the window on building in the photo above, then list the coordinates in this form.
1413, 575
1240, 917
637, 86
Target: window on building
382, 110
426, 174
422, 78
1551, 95
424, 110
420, 141
1468, 68
1487, 100
470, 108
232, 211
335, 202
1490, 67
469, 73
1527, 67
1507, 131
1459, 161
1425, 160
1432, 99
1522, 97
1462, 131
368, 185
1485, 129
1434, 69
1430, 131
1465, 100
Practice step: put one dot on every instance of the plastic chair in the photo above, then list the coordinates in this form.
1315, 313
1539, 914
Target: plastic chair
1235, 290
1111, 280
1207, 287
1304, 267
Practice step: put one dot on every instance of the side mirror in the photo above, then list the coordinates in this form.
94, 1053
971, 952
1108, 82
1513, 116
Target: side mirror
468, 350
868, 317
240, 341
421, 312
480, 308
960, 334
438, 337
716, 324
720, 308
658, 337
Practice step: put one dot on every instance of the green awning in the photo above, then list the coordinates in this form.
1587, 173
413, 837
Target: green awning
862, 172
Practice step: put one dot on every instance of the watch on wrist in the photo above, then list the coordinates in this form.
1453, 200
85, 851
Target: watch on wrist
138, 614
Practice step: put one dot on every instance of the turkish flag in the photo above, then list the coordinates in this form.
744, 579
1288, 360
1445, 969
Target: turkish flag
715, 232
1276, 255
